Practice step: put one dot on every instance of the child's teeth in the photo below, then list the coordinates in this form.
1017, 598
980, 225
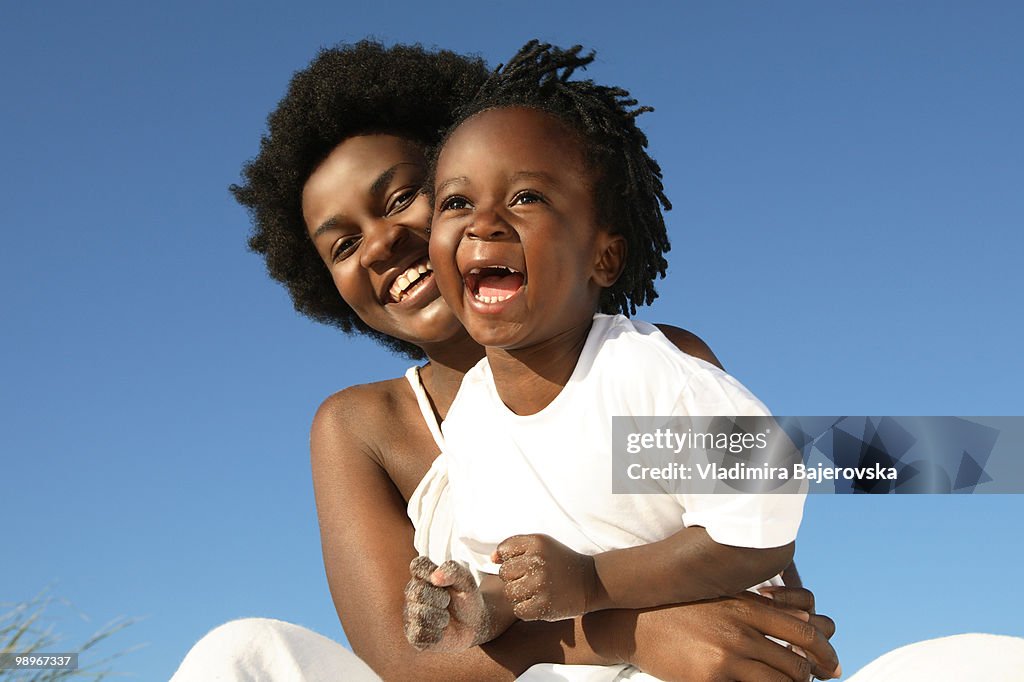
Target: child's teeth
492, 299
403, 282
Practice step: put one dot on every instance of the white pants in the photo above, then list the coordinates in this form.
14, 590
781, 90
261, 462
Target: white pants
261, 650
986, 658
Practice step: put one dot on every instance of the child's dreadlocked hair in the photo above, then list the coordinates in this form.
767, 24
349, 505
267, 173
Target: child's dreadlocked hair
628, 191
345, 91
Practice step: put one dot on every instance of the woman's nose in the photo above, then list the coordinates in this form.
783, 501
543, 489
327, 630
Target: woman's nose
380, 242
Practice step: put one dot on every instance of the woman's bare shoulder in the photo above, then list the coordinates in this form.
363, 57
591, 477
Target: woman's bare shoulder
359, 416
356, 403
689, 343
373, 429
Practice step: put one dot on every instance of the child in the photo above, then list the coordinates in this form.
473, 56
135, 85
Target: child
548, 209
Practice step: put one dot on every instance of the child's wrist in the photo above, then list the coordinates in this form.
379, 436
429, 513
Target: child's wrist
497, 611
484, 630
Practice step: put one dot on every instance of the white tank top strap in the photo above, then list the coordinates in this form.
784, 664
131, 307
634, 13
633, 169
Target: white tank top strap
413, 375
429, 506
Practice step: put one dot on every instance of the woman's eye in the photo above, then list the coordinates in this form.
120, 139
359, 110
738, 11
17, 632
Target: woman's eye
455, 203
402, 200
527, 197
344, 248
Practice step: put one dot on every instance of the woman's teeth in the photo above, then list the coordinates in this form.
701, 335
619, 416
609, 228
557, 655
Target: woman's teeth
407, 279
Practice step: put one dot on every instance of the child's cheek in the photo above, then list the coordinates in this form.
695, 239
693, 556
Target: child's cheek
444, 243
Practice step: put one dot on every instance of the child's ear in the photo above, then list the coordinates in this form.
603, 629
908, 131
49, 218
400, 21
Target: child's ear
611, 258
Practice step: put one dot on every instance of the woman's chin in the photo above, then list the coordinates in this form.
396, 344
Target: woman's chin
432, 324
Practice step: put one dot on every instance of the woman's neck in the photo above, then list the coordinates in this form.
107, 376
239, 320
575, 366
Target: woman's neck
528, 379
447, 363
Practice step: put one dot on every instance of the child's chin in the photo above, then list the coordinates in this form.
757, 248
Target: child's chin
493, 334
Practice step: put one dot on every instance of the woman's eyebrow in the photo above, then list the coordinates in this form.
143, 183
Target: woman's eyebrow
326, 225
382, 181
376, 188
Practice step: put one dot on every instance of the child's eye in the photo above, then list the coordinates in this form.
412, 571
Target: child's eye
454, 203
527, 197
344, 248
401, 200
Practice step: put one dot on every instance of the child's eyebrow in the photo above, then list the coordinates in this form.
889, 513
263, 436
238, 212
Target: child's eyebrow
518, 175
534, 175
460, 180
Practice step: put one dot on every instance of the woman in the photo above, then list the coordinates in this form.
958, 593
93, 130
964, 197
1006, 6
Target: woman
341, 168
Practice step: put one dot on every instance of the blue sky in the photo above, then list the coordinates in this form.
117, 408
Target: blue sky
847, 230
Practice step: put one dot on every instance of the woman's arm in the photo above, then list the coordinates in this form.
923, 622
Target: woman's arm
367, 547
722, 639
368, 544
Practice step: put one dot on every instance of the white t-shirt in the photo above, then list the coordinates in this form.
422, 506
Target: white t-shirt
551, 472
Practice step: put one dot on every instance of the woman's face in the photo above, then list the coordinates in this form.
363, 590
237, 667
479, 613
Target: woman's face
367, 219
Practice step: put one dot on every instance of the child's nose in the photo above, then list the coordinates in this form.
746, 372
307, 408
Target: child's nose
488, 225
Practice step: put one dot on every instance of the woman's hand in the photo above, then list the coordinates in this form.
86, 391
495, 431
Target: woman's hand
722, 639
799, 599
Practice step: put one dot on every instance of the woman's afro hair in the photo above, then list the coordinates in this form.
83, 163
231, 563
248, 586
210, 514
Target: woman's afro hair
628, 191
346, 90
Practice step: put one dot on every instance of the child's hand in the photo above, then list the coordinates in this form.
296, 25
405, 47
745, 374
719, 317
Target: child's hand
444, 609
544, 579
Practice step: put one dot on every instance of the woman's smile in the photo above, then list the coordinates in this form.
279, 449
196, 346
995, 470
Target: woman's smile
413, 285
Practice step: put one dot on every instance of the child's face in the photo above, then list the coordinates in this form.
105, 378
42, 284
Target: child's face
367, 219
515, 244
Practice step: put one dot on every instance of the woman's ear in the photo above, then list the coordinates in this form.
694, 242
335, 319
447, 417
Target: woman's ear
611, 257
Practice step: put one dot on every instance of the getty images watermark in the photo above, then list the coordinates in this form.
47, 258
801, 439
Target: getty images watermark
697, 455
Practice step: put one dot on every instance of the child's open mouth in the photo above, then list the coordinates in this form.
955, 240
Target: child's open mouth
494, 283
